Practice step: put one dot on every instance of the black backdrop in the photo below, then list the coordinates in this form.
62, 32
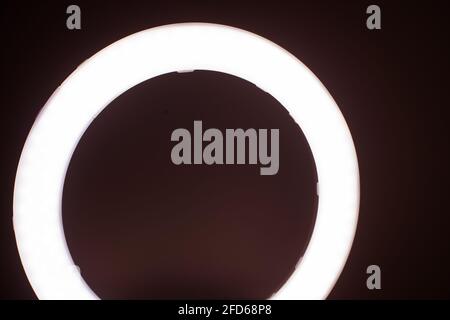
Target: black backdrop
390, 85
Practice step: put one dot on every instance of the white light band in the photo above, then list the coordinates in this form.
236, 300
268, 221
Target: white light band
150, 53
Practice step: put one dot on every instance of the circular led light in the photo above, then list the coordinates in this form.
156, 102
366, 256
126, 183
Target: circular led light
150, 53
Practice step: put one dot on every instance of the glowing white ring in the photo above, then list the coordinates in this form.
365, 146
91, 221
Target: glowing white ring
150, 53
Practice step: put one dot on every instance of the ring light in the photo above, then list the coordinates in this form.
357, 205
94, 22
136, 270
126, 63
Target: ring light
145, 55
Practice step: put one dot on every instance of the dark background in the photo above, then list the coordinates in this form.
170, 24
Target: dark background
139, 226
390, 85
